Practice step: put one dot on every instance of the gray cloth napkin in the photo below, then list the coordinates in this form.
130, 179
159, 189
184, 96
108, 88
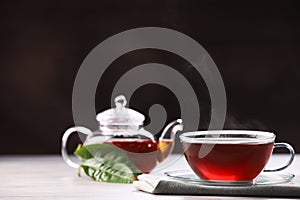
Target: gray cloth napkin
161, 185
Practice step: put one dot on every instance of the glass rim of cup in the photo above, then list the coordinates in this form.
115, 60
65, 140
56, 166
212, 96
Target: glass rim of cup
228, 137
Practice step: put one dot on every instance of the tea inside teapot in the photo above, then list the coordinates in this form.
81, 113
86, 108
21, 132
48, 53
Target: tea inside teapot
145, 153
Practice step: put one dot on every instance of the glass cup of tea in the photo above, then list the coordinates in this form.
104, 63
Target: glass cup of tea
231, 156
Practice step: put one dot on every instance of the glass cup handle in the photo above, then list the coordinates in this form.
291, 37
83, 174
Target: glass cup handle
292, 155
65, 137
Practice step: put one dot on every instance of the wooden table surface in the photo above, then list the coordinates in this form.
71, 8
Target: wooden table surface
48, 177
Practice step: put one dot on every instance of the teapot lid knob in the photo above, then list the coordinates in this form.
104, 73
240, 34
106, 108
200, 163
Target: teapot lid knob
120, 102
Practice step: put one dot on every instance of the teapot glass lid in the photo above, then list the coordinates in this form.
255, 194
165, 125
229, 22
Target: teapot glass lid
120, 115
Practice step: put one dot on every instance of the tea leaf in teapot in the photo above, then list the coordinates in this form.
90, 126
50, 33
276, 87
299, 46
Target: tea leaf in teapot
107, 163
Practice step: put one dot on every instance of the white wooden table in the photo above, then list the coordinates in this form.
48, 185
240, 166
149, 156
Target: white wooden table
48, 177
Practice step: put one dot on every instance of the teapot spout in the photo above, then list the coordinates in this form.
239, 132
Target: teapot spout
171, 129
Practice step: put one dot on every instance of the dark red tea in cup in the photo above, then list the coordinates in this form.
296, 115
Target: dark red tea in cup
228, 155
242, 162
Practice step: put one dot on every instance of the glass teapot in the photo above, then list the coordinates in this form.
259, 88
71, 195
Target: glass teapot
123, 127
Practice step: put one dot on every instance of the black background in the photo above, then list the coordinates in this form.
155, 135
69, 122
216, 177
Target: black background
255, 45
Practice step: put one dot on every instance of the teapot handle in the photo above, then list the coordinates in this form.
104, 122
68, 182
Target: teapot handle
65, 137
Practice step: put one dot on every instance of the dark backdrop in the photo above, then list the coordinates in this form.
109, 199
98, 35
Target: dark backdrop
255, 45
